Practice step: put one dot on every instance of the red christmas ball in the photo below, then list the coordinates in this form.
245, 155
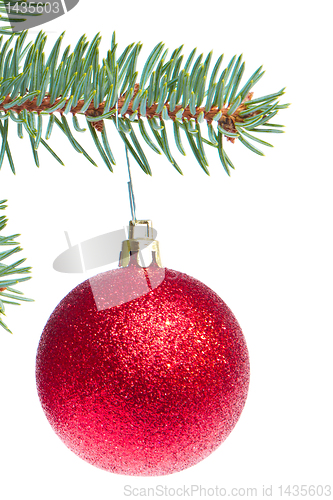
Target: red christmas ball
142, 371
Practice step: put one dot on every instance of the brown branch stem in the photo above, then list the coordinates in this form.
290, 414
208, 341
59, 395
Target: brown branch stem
226, 121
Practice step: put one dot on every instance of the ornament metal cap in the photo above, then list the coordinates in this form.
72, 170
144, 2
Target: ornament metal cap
135, 244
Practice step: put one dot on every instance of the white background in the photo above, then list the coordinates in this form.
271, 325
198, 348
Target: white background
261, 239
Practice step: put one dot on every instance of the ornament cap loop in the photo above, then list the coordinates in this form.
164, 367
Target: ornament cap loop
138, 241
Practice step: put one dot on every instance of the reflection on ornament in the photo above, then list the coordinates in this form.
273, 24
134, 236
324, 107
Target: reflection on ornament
150, 386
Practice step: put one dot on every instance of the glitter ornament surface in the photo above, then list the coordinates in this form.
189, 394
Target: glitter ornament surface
148, 387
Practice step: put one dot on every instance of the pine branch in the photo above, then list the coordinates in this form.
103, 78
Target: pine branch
33, 86
6, 290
